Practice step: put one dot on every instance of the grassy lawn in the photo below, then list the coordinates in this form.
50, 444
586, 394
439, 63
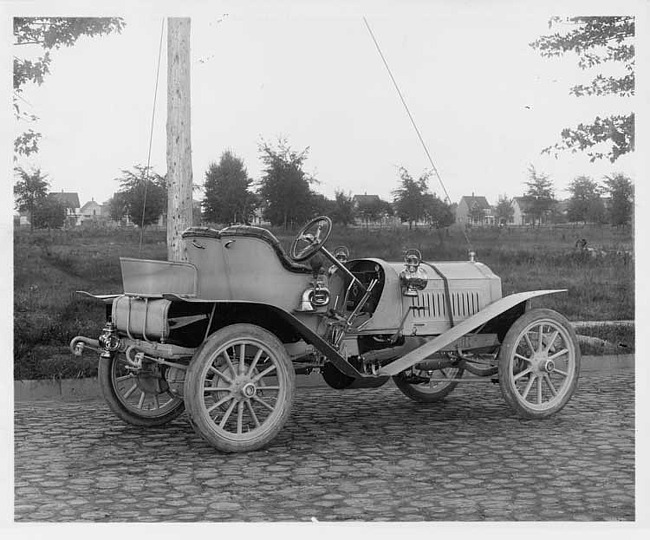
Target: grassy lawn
50, 266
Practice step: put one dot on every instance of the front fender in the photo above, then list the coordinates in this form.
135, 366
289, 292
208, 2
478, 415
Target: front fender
458, 331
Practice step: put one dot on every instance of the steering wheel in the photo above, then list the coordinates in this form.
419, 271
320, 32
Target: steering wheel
310, 238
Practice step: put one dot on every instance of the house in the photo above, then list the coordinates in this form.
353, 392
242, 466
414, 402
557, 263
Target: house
70, 201
365, 200
92, 211
474, 210
521, 207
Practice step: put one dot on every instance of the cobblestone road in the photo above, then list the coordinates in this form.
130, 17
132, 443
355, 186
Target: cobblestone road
368, 455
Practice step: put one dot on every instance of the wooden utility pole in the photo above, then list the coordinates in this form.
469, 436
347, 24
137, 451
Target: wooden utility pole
179, 144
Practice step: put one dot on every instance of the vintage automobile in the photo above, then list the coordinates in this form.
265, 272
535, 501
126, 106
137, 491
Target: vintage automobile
223, 335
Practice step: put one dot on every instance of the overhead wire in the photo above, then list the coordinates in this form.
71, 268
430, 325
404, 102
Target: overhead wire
415, 127
153, 116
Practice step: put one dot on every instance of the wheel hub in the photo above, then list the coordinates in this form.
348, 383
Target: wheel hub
243, 388
248, 390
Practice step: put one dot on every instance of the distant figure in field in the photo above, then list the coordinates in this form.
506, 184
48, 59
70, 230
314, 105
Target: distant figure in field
581, 244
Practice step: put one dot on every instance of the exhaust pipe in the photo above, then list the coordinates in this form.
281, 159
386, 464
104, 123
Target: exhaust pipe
78, 344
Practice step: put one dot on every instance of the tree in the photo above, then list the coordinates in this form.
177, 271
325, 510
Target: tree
504, 211
343, 211
46, 33
143, 194
409, 199
437, 212
49, 213
284, 187
540, 194
117, 206
228, 198
596, 41
621, 192
585, 204
29, 189
321, 205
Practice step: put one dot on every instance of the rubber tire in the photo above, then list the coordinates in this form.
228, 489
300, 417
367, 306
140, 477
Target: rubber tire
194, 384
509, 345
104, 376
411, 390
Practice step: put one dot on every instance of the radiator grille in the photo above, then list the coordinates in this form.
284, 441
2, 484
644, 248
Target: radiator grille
433, 305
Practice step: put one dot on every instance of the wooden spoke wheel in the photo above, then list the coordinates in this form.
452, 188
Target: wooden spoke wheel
539, 363
142, 397
239, 388
430, 385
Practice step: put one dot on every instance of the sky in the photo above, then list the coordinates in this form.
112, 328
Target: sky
485, 102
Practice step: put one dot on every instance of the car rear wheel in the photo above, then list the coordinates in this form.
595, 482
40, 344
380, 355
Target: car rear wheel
140, 398
539, 363
428, 386
239, 388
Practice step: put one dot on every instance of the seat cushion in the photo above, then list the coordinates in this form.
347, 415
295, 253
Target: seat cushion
250, 232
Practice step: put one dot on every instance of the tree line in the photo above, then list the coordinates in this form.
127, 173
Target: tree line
586, 204
284, 197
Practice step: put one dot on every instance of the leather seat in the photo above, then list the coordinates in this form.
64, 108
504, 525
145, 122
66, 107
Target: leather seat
249, 231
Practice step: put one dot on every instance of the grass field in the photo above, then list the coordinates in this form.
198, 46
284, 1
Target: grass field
50, 266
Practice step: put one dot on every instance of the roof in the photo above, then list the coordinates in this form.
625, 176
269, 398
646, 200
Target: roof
69, 200
523, 202
88, 205
472, 201
365, 199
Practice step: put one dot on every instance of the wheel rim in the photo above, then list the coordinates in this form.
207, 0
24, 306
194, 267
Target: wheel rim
243, 389
434, 385
542, 366
145, 393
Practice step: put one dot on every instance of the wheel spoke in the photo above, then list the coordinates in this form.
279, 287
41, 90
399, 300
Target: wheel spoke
522, 373
229, 362
560, 353
124, 377
256, 359
552, 340
540, 338
265, 372
242, 356
269, 387
240, 416
563, 373
549, 383
539, 390
523, 358
530, 345
156, 402
141, 401
253, 415
262, 402
227, 414
130, 390
220, 374
528, 387
219, 403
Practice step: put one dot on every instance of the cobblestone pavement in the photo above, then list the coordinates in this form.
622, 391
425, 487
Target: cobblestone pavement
370, 455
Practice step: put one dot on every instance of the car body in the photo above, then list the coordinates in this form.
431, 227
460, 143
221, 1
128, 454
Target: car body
223, 334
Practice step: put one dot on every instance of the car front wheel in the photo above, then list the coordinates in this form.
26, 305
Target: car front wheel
539, 363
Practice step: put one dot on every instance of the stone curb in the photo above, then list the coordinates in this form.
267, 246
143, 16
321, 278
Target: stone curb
74, 389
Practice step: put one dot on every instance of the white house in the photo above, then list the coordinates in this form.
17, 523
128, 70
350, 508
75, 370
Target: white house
474, 210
